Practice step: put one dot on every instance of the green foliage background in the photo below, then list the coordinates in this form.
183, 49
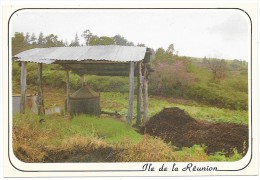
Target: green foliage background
213, 82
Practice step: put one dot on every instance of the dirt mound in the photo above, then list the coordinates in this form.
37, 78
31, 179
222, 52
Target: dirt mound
175, 126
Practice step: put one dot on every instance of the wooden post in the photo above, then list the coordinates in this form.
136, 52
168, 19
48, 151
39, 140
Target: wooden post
145, 94
82, 80
40, 92
68, 92
23, 87
131, 93
139, 94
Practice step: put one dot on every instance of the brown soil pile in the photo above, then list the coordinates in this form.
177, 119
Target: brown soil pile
175, 126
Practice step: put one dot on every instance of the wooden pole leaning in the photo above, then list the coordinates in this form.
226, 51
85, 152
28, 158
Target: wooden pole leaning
131, 93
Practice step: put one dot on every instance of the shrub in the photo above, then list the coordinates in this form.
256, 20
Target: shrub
108, 84
149, 149
220, 156
196, 153
57, 78
171, 79
16, 71
225, 98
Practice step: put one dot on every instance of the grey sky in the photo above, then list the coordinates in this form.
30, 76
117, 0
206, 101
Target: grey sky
212, 32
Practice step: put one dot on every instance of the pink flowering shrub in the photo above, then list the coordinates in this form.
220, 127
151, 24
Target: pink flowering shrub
171, 79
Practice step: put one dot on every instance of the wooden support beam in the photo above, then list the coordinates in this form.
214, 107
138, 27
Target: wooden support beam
110, 67
68, 92
131, 93
23, 87
82, 80
40, 103
88, 62
145, 94
139, 94
101, 73
147, 57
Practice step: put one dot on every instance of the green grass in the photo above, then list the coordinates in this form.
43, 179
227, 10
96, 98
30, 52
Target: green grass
108, 129
119, 102
60, 127
220, 157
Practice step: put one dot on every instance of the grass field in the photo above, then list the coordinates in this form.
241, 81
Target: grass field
60, 137
118, 102
91, 134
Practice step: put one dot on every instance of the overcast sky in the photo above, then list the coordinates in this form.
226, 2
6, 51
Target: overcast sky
208, 32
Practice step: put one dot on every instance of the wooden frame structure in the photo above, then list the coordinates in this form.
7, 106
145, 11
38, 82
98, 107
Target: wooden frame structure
140, 69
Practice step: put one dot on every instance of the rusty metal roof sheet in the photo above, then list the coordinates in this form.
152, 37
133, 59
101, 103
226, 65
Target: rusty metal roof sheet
108, 53
84, 92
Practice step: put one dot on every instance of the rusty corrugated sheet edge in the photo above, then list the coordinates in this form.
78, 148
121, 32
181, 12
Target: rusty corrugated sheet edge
113, 53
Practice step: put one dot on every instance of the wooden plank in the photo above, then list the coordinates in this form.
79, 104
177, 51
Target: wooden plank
23, 87
139, 94
131, 93
40, 103
102, 73
145, 94
68, 92
99, 66
88, 62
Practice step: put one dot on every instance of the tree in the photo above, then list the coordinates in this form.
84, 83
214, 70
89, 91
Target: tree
18, 43
141, 44
159, 55
170, 49
218, 68
33, 39
120, 40
103, 40
164, 56
52, 41
170, 52
87, 36
76, 41
171, 79
41, 40
27, 38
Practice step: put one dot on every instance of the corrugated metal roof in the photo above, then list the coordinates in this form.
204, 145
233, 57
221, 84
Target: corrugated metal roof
109, 53
84, 92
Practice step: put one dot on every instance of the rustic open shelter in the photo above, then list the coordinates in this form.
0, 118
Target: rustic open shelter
109, 60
